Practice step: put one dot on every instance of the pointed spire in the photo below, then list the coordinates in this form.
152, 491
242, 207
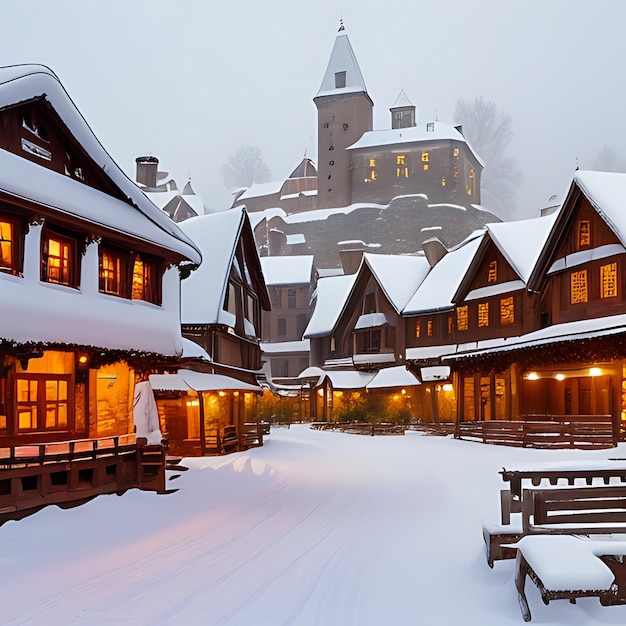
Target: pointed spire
341, 26
343, 74
402, 112
401, 101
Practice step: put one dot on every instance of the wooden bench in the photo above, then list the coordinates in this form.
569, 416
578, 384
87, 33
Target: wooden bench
498, 537
552, 554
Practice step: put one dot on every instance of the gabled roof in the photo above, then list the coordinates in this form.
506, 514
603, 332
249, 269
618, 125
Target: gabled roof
287, 270
23, 83
398, 276
342, 59
520, 243
402, 102
218, 235
437, 290
331, 295
305, 168
605, 191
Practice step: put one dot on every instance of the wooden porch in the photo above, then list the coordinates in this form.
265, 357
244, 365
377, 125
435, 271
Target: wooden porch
72, 472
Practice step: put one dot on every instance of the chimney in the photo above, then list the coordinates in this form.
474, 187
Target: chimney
434, 250
147, 167
351, 260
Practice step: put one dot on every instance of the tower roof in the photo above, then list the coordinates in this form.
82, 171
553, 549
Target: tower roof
401, 102
343, 75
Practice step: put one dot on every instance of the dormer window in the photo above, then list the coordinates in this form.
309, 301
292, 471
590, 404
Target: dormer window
492, 274
584, 234
340, 80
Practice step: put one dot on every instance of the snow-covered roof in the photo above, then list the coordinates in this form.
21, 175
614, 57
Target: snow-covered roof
347, 379
332, 293
398, 376
202, 294
435, 372
398, 276
295, 239
342, 59
437, 290
440, 131
584, 256
287, 270
284, 347
21, 83
521, 241
258, 190
428, 353
191, 350
186, 380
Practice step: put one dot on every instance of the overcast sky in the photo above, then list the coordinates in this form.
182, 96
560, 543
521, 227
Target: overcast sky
188, 80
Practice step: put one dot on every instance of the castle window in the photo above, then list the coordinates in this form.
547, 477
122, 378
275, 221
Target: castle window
276, 296
402, 171
462, 318
425, 159
455, 152
608, 280
340, 80
483, 314
443, 181
58, 259
584, 233
578, 285
492, 274
507, 311
371, 171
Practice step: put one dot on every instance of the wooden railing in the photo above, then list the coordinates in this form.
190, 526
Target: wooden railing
543, 431
361, 428
79, 449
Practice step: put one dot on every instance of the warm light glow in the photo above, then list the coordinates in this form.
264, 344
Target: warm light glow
338, 394
82, 359
532, 376
193, 402
595, 371
236, 394
403, 392
320, 392
623, 416
448, 387
221, 394
560, 376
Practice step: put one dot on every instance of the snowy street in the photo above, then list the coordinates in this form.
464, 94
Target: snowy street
314, 528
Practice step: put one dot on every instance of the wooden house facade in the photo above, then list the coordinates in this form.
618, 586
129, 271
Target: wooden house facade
215, 407
89, 276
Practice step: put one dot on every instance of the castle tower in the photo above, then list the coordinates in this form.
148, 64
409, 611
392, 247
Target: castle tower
402, 112
344, 113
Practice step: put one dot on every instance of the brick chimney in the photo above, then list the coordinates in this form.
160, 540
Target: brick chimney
147, 167
434, 250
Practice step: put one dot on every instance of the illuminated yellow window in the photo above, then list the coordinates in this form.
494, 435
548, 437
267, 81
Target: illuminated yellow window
443, 181
418, 329
371, 172
469, 191
507, 311
429, 328
483, 314
578, 284
461, 318
584, 233
450, 325
608, 280
492, 274
6, 244
425, 157
455, 152
402, 171
57, 261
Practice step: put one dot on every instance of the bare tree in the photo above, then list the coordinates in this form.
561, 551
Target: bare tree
489, 132
245, 167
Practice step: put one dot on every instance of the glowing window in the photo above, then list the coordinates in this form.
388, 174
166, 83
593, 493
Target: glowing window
455, 152
371, 172
608, 280
7, 235
145, 284
578, 285
402, 170
429, 328
483, 314
450, 325
461, 318
443, 181
58, 260
492, 274
507, 311
584, 233
113, 272
418, 329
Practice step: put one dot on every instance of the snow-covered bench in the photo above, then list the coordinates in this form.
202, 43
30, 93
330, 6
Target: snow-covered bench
499, 536
569, 567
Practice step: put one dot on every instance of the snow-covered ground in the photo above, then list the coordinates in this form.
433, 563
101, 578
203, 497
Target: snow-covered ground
315, 528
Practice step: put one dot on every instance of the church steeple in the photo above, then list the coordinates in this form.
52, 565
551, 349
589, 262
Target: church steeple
344, 113
402, 112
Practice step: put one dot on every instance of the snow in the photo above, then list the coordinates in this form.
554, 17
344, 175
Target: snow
332, 293
294, 240
146, 414
287, 270
495, 290
438, 288
435, 372
314, 528
393, 377
191, 350
348, 379
371, 320
584, 256
401, 102
185, 380
277, 347
258, 190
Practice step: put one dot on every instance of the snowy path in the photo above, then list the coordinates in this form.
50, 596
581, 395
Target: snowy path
315, 528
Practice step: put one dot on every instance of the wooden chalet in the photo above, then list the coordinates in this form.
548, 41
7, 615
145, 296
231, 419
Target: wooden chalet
356, 336
564, 362
211, 407
90, 276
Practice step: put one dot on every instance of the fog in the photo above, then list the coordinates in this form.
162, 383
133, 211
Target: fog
189, 81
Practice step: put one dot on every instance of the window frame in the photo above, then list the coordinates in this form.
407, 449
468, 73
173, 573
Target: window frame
16, 254
151, 284
66, 242
123, 272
